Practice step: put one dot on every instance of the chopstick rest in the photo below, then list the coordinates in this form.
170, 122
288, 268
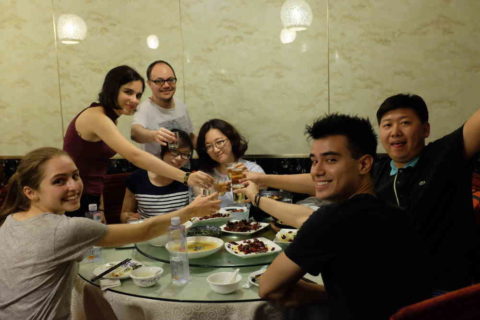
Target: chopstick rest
110, 269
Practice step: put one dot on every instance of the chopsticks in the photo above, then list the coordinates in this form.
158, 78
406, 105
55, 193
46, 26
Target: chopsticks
110, 269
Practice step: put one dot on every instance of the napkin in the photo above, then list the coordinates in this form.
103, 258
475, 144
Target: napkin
109, 283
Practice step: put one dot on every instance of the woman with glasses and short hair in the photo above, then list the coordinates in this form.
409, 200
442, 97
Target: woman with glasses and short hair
218, 145
149, 194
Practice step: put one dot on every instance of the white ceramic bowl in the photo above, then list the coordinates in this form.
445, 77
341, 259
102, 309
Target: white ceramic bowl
216, 245
218, 282
146, 276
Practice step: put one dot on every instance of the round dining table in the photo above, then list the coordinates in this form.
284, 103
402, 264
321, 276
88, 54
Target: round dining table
194, 300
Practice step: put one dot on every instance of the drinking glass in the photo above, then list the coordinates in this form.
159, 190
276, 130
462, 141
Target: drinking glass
174, 145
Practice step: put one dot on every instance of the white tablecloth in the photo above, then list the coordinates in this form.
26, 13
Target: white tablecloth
89, 303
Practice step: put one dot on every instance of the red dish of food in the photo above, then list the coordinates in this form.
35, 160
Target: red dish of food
242, 226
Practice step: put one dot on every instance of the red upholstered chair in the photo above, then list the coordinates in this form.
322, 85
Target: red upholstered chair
113, 193
462, 304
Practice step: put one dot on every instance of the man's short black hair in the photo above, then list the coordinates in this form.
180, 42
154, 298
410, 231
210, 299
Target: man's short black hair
408, 101
358, 131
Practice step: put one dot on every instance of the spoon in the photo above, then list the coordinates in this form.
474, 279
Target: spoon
234, 276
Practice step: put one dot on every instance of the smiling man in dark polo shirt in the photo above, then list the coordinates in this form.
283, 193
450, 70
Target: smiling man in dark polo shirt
433, 183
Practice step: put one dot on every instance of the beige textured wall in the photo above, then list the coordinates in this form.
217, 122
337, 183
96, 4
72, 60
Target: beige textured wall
231, 64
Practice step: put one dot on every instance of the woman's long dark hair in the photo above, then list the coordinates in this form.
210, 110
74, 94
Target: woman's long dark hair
114, 79
29, 173
238, 142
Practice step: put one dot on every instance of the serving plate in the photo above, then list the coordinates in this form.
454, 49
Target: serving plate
233, 247
214, 244
262, 225
122, 272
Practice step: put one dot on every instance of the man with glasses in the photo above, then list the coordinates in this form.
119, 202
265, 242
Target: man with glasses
158, 115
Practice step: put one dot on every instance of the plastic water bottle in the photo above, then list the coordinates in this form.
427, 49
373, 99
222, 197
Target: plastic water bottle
93, 212
95, 253
178, 256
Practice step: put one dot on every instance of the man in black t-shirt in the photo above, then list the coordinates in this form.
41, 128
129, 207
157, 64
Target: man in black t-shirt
370, 258
433, 183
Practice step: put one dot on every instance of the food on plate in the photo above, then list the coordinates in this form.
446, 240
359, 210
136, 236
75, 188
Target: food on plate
198, 246
234, 209
249, 246
242, 226
215, 215
286, 235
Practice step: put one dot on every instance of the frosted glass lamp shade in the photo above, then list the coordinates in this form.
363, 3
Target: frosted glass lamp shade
71, 29
296, 15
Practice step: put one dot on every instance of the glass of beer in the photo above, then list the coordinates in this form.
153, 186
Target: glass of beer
174, 145
235, 172
222, 185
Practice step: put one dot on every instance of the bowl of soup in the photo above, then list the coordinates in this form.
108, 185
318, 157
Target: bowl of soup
199, 246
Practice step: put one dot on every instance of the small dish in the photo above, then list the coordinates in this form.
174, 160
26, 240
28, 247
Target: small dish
238, 248
122, 272
219, 282
146, 276
261, 226
254, 276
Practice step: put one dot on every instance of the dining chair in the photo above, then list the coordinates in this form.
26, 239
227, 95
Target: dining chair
461, 304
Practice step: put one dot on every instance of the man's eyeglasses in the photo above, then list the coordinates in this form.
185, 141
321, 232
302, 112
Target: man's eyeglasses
184, 156
219, 144
160, 82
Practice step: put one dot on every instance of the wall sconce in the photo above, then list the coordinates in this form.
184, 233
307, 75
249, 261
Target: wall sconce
287, 35
296, 15
71, 29
152, 41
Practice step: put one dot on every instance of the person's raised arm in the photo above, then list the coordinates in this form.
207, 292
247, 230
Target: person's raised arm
105, 129
161, 136
299, 183
129, 207
471, 135
291, 214
120, 234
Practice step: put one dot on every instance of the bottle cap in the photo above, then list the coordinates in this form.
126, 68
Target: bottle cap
175, 221
92, 207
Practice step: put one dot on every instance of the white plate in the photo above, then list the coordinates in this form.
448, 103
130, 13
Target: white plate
122, 272
262, 225
253, 275
289, 235
271, 246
